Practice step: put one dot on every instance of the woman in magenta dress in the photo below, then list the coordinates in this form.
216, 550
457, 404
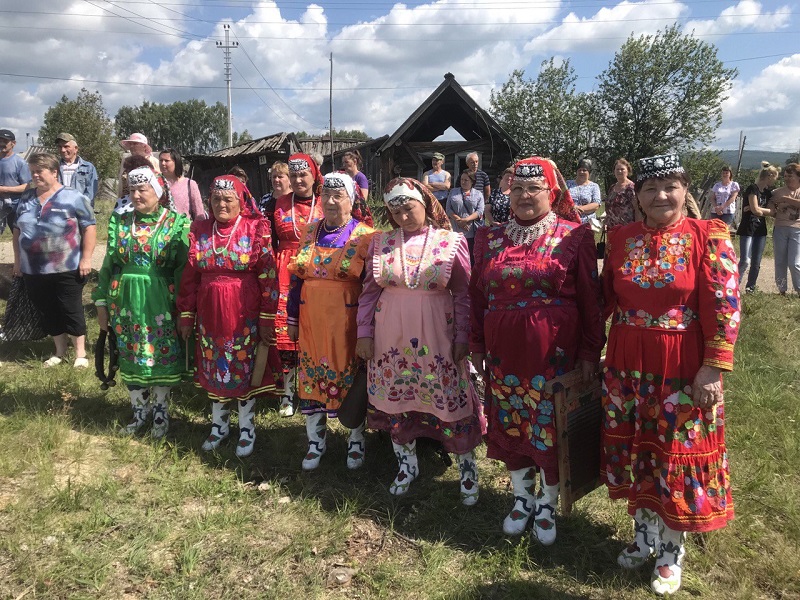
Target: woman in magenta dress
671, 284
536, 314
413, 328
228, 296
292, 212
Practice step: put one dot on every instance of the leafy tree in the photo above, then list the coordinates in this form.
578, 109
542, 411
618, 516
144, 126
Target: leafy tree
338, 134
86, 119
563, 118
240, 138
660, 93
192, 127
793, 158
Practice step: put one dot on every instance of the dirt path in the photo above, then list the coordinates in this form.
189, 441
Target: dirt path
766, 278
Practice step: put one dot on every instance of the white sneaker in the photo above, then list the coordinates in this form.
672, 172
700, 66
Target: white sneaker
81, 363
53, 361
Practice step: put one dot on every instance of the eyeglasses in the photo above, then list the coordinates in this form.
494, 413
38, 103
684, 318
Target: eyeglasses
336, 196
532, 190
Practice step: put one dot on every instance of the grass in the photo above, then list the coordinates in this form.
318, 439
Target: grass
86, 513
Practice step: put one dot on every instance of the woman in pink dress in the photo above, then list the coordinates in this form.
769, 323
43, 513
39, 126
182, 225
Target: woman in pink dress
535, 303
413, 328
293, 211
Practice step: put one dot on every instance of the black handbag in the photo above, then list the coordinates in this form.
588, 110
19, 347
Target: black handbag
353, 410
601, 245
22, 320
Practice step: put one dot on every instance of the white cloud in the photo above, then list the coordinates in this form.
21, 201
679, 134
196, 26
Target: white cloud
745, 15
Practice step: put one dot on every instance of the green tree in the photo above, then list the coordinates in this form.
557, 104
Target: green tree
240, 138
793, 158
86, 119
338, 134
192, 127
660, 93
563, 119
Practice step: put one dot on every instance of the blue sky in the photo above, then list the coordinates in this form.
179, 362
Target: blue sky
387, 57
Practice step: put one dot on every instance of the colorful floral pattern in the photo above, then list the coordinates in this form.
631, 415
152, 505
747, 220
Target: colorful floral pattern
677, 318
226, 362
318, 378
673, 257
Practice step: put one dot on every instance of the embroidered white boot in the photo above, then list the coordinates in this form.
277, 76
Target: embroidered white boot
666, 578
247, 428
409, 467
287, 399
161, 395
645, 542
220, 426
141, 410
468, 468
316, 430
524, 484
544, 519
356, 448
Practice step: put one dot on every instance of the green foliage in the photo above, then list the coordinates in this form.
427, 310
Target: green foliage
793, 158
240, 138
192, 127
563, 118
660, 93
86, 119
338, 134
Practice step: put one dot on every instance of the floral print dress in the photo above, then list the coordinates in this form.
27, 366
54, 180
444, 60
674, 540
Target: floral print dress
535, 310
138, 284
230, 289
674, 296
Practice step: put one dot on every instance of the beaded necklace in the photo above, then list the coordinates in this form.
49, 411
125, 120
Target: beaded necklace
215, 232
143, 229
406, 278
310, 215
340, 229
527, 234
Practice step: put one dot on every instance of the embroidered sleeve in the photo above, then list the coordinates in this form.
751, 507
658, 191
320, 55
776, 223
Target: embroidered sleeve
370, 293
267, 275
477, 295
190, 281
719, 298
459, 286
607, 280
293, 301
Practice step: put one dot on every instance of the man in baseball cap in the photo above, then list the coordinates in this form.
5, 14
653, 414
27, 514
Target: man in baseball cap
437, 179
73, 171
14, 178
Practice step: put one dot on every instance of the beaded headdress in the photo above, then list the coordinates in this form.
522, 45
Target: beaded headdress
659, 166
144, 175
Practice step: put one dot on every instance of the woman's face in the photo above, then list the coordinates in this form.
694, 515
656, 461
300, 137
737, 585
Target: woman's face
792, 180
409, 216
348, 164
225, 205
144, 199
302, 183
505, 182
280, 184
466, 182
620, 172
662, 200
336, 206
43, 178
530, 198
137, 148
725, 176
582, 174
167, 164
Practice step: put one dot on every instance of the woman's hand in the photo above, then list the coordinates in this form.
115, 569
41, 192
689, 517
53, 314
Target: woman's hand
293, 331
478, 359
102, 318
460, 352
85, 266
365, 348
16, 271
588, 369
707, 387
267, 334
184, 331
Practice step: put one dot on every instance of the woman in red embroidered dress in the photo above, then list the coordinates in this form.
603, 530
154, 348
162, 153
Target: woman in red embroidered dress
536, 314
228, 295
322, 307
292, 212
413, 328
671, 284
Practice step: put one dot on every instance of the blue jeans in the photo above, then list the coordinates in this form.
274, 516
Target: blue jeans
727, 219
787, 255
751, 249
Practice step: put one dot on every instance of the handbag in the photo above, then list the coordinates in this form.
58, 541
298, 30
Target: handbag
601, 245
22, 320
353, 410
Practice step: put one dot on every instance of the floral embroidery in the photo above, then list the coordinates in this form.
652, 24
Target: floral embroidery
443, 246
724, 281
319, 379
227, 362
673, 255
146, 345
677, 318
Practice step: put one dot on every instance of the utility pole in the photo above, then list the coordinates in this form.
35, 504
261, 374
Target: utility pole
330, 115
226, 49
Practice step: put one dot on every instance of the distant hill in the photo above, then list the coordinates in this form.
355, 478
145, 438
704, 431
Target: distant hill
752, 158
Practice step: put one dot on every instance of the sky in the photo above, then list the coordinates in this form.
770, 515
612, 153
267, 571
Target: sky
387, 58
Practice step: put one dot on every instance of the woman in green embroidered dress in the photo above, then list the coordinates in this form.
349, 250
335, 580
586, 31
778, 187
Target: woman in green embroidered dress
147, 250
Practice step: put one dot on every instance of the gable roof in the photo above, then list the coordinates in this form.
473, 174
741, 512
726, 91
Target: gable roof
269, 143
449, 106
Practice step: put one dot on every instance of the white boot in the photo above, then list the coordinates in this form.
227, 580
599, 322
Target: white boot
524, 483
287, 399
356, 448
247, 428
161, 395
468, 468
316, 430
645, 540
409, 467
544, 519
666, 578
141, 410
220, 426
